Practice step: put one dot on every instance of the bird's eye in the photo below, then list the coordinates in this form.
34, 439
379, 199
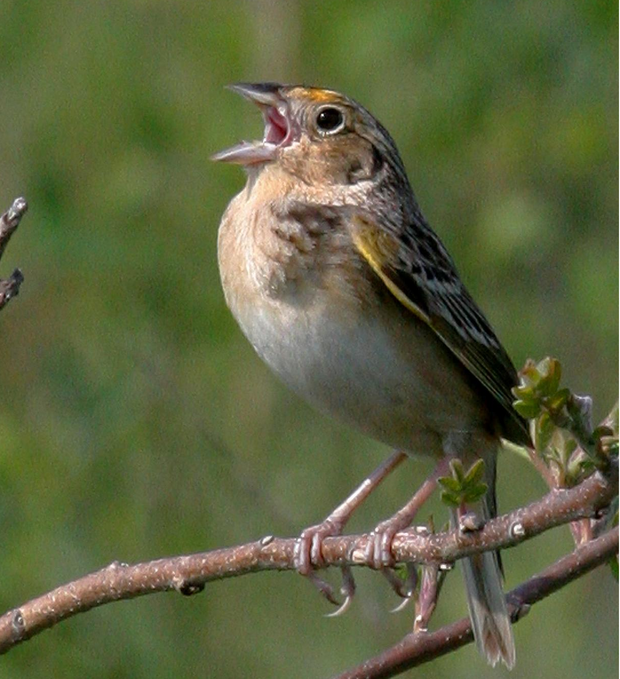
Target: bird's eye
330, 120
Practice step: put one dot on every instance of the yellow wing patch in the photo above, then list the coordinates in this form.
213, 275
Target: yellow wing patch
379, 249
488, 362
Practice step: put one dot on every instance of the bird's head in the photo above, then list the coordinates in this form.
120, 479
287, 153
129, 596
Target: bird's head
315, 134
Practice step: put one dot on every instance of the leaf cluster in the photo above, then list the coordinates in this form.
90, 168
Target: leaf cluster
562, 423
463, 487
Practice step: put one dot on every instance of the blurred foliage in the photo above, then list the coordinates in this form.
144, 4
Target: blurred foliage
565, 437
136, 421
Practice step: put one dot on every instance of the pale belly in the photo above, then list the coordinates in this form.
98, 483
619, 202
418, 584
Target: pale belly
389, 376
376, 366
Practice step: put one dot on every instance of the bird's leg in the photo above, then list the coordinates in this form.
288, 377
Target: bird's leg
379, 551
308, 554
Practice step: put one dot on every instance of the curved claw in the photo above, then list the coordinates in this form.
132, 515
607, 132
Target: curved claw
411, 581
348, 582
324, 588
308, 549
308, 556
343, 608
398, 585
403, 588
383, 545
403, 604
407, 587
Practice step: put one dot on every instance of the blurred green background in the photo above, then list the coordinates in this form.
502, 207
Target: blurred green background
136, 422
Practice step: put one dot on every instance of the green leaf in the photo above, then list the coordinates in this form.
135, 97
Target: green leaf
529, 373
450, 499
578, 469
551, 372
475, 474
458, 472
613, 565
524, 392
450, 484
544, 431
475, 494
527, 409
559, 399
570, 446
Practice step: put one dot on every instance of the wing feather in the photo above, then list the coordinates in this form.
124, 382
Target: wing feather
419, 272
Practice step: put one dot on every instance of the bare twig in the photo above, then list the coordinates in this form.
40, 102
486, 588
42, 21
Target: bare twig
542, 469
9, 222
189, 574
416, 649
9, 287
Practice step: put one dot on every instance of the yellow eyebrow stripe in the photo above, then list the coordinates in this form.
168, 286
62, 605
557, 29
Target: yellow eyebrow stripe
318, 95
322, 95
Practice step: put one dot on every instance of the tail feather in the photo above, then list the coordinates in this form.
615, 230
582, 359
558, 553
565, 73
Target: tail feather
487, 609
485, 596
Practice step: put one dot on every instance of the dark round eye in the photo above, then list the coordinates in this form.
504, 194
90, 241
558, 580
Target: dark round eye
330, 120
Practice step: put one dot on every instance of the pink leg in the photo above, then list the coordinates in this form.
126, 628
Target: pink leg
308, 554
379, 552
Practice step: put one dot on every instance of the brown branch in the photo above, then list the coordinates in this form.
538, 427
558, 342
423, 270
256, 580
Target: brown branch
9, 222
189, 574
416, 649
558, 507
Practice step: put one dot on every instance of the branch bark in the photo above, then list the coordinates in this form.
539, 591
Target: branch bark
9, 222
416, 649
189, 574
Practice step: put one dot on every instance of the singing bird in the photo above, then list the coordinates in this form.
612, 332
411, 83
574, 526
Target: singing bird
344, 290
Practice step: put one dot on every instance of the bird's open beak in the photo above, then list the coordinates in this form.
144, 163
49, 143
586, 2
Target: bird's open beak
279, 130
